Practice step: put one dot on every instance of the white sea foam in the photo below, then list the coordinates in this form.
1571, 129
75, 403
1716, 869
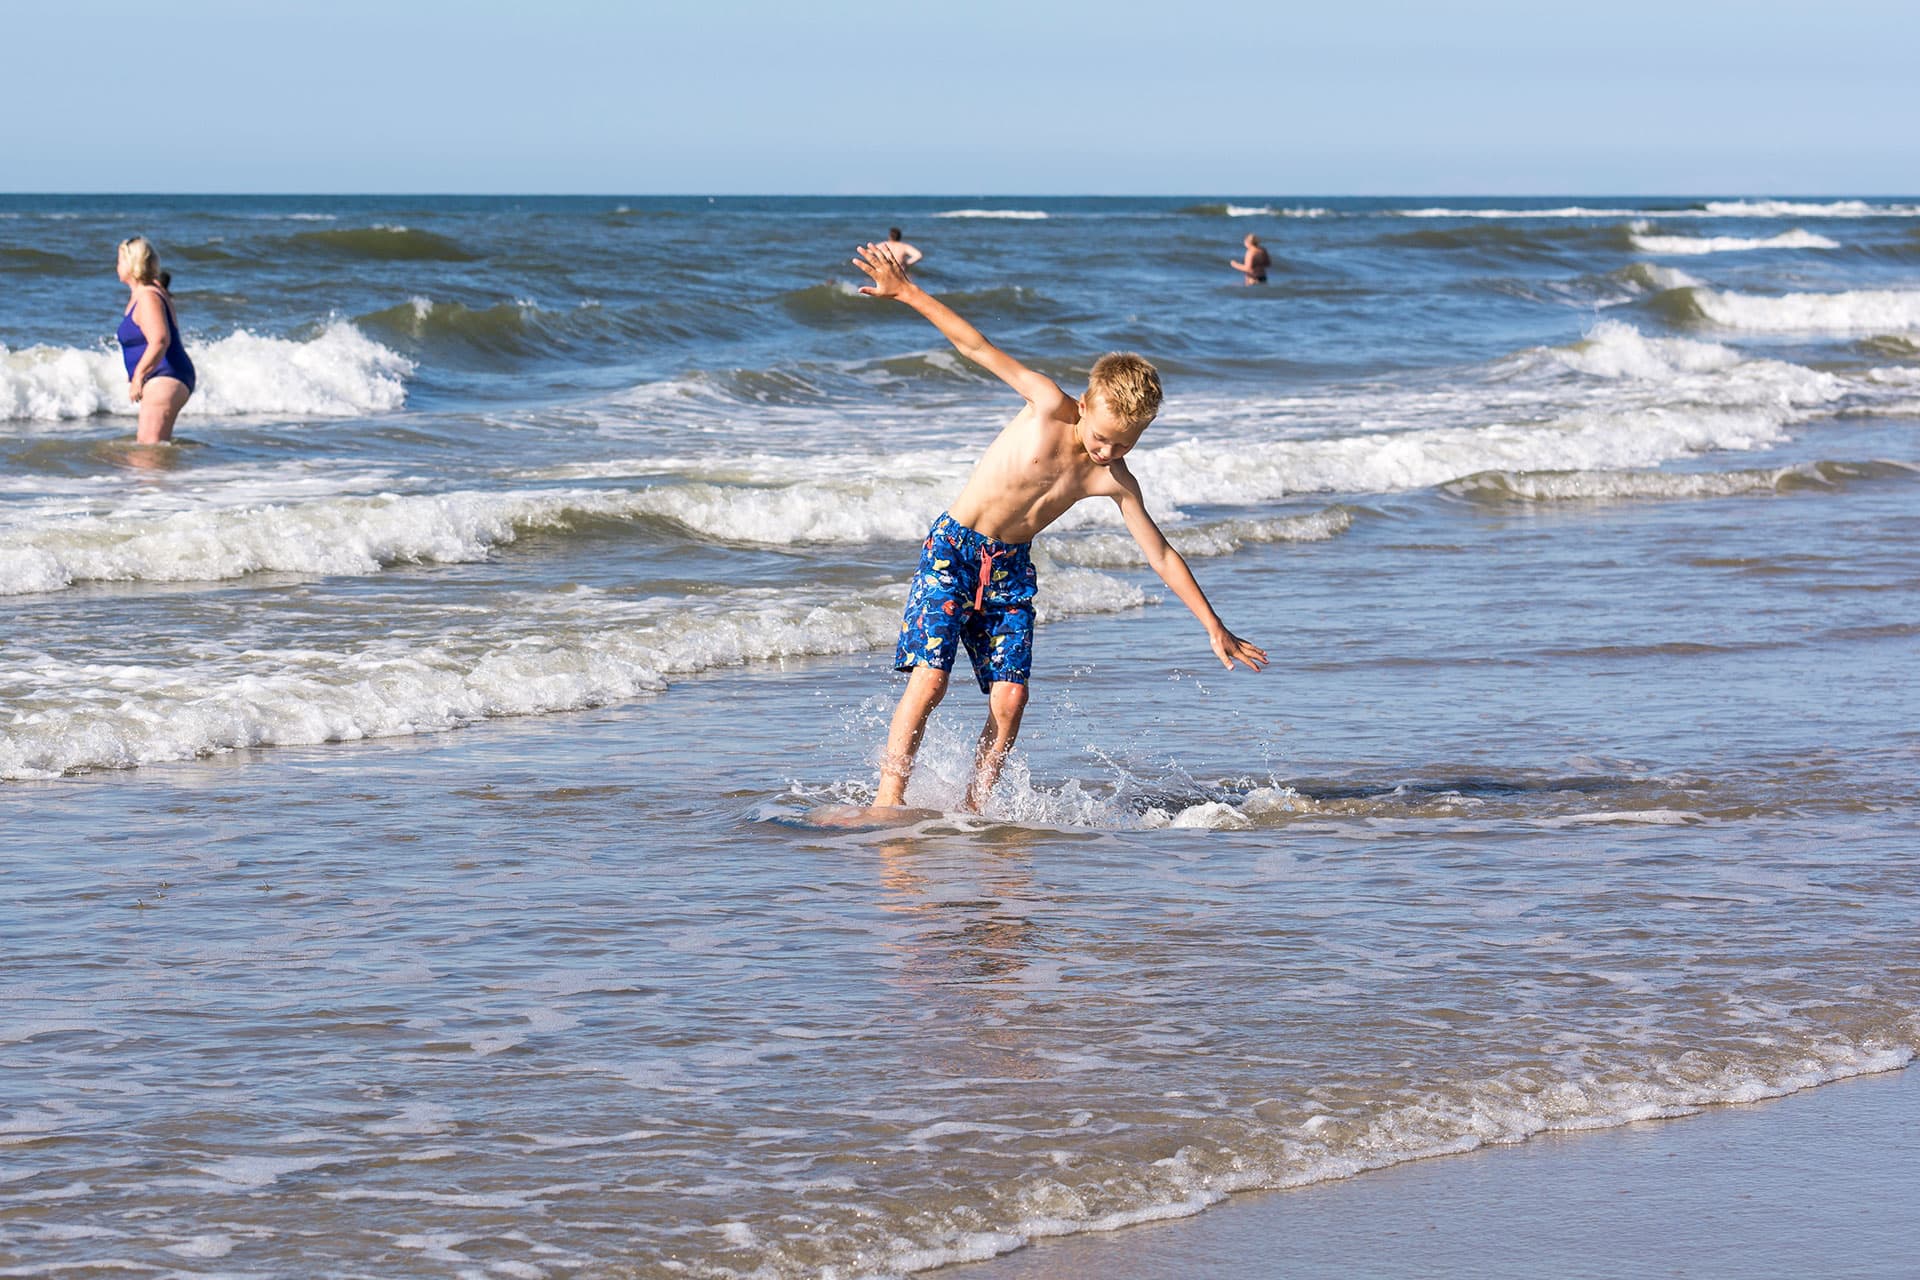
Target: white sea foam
338, 373
1567, 211
553, 652
1613, 349
1213, 538
1804, 209
363, 534
1711, 209
1794, 239
1025, 215
1683, 396
1603, 486
1271, 211
1446, 1118
1854, 311
1390, 462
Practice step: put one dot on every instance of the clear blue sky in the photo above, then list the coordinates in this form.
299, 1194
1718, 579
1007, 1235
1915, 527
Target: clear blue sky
1181, 96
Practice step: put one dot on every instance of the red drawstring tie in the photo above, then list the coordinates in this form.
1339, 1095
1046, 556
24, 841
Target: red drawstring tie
986, 569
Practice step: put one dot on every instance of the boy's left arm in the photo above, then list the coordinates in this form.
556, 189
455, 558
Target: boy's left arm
1172, 568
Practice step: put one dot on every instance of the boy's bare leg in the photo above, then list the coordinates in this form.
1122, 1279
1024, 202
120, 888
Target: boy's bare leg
925, 688
1005, 704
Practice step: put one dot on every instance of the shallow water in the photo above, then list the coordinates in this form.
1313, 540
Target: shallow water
1582, 787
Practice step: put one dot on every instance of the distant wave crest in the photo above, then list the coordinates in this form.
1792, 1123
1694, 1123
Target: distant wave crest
1021, 215
1224, 210
383, 243
1665, 245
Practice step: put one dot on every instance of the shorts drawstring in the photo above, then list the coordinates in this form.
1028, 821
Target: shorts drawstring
986, 568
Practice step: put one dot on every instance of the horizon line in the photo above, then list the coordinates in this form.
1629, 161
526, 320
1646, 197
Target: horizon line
979, 195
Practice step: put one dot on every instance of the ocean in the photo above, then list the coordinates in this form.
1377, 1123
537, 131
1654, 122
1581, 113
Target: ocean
404, 777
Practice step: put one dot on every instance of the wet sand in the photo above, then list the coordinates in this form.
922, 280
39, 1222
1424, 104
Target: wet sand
1822, 1183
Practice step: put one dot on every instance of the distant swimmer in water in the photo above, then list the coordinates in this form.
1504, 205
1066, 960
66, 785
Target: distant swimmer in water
1254, 265
160, 376
903, 252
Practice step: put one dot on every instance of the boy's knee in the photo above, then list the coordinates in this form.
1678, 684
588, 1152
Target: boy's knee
1007, 700
928, 685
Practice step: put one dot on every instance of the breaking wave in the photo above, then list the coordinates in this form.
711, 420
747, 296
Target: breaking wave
1677, 245
577, 651
1212, 538
338, 373
1854, 311
1610, 486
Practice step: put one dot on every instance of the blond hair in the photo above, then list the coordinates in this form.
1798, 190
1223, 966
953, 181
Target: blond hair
1129, 385
141, 262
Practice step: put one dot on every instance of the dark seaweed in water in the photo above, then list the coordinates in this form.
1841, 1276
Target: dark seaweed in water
36, 262
834, 304
384, 244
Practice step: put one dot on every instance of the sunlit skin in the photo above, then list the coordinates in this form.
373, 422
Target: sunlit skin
1057, 451
1254, 265
160, 399
904, 252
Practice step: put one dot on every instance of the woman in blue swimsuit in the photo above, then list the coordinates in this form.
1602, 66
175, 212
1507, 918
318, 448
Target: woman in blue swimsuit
160, 377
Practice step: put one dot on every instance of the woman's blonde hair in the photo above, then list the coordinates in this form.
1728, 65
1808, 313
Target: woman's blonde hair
141, 262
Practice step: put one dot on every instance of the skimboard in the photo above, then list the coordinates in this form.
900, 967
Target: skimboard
854, 817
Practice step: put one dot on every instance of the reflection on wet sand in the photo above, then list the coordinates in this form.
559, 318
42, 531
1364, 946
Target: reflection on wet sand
972, 934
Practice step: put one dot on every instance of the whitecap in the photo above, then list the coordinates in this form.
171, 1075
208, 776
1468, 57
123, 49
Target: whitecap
1794, 239
1022, 215
1853, 311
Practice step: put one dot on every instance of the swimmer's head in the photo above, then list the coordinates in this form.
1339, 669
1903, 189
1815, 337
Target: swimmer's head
893, 233
139, 264
1253, 241
1122, 397
166, 280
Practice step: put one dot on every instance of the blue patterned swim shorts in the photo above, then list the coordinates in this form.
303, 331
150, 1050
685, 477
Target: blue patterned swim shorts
975, 591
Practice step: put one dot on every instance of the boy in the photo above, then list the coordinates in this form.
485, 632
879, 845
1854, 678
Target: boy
975, 583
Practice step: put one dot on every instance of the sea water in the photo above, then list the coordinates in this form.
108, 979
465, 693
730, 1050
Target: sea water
406, 773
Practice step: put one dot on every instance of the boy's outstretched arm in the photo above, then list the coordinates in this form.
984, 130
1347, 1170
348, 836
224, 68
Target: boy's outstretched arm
890, 281
1172, 568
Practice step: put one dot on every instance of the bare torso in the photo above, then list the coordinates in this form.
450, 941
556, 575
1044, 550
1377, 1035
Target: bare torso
1033, 471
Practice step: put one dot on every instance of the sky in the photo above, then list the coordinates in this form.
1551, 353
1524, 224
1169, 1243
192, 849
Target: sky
1362, 97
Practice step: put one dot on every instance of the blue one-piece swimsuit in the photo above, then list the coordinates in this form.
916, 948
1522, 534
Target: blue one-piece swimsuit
174, 362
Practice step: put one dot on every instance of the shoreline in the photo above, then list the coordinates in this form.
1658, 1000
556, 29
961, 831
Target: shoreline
1817, 1182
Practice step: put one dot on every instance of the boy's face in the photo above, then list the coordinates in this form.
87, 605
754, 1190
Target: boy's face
1104, 434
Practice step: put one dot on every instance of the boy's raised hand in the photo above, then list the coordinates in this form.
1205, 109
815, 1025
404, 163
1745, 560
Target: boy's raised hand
888, 273
1228, 647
